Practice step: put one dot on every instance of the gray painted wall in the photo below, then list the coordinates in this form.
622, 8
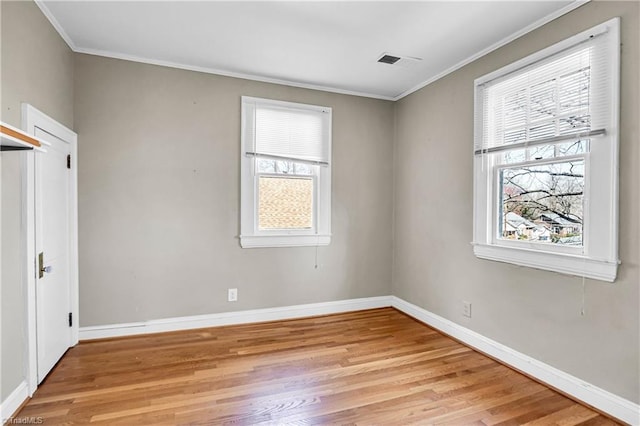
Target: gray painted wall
159, 188
535, 312
37, 67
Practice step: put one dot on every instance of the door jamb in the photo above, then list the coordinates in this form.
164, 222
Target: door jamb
32, 118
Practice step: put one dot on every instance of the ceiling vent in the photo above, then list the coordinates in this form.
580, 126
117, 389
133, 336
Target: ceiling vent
402, 61
388, 59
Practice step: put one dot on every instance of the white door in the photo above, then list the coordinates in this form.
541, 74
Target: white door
52, 232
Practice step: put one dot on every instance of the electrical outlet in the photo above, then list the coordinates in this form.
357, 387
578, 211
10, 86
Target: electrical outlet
233, 295
466, 309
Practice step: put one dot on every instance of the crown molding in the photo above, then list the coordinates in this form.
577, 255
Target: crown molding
247, 76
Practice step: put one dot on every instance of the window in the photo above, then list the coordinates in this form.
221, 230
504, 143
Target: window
285, 174
546, 158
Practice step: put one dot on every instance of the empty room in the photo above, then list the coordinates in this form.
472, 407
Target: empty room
320, 212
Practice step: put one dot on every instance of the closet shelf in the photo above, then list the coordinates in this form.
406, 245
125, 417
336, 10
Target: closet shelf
14, 139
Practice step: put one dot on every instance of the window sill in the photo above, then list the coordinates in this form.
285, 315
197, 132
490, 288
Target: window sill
581, 266
264, 241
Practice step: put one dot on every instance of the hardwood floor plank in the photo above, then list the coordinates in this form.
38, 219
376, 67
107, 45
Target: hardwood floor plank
569, 416
519, 407
369, 367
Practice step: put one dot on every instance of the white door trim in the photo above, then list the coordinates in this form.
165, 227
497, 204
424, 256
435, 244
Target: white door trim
32, 118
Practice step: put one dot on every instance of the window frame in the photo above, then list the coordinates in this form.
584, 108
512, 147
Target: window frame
251, 236
598, 257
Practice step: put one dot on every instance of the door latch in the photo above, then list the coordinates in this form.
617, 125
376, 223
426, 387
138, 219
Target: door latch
41, 268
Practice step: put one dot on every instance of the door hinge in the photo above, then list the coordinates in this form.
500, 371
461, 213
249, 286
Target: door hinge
68, 161
70, 319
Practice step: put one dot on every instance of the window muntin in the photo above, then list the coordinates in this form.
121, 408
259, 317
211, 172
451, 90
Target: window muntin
545, 166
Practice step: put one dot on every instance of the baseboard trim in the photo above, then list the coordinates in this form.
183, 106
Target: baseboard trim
12, 403
602, 400
233, 318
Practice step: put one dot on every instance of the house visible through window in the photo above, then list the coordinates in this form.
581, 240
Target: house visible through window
545, 160
286, 174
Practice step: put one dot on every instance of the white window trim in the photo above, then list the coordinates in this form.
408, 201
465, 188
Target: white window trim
250, 235
600, 259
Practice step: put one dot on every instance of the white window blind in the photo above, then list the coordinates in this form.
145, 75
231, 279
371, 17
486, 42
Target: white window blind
561, 97
276, 130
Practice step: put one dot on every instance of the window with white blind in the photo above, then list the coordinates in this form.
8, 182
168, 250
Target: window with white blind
285, 174
546, 158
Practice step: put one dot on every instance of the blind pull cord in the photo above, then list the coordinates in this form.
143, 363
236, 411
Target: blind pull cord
582, 309
317, 244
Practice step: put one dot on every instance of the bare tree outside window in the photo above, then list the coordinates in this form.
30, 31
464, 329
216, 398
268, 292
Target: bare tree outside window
543, 202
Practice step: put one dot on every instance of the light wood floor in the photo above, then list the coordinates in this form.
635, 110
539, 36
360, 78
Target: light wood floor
370, 367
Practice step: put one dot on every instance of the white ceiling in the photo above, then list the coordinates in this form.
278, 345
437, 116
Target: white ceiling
325, 45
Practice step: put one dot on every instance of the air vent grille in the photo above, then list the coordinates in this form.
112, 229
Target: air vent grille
389, 59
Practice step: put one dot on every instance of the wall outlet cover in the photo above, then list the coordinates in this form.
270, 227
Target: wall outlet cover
232, 295
466, 309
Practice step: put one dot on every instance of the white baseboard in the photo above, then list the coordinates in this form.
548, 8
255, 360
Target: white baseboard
598, 398
10, 405
232, 318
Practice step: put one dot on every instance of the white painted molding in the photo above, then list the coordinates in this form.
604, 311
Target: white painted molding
262, 241
215, 71
555, 15
594, 396
603, 270
108, 54
54, 22
232, 318
10, 405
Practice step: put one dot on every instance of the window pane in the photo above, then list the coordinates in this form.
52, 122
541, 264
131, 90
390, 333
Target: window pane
540, 152
266, 165
514, 109
542, 131
285, 203
515, 136
543, 101
574, 91
543, 203
575, 123
515, 156
572, 148
302, 169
